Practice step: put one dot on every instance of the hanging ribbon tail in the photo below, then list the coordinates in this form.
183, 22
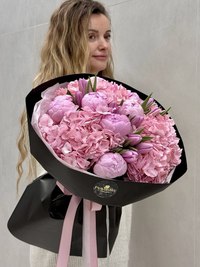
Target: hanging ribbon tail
89, 249
66, 236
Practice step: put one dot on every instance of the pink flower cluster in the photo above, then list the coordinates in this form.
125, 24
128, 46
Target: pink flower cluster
101, 127
164, 153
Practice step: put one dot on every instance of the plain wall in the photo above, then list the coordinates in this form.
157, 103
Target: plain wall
156, 49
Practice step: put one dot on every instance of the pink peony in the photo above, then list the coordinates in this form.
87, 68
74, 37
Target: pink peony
59, 106
115, 93
94, 100
110, 165
117, 124
131, 109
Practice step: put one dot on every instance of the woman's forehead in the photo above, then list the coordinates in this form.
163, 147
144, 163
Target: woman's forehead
99, 21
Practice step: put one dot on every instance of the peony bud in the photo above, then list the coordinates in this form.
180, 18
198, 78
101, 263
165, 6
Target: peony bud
155, 111
78, 97
130, 156
134, 139
82, 84
144, 147
136, 121
150, 102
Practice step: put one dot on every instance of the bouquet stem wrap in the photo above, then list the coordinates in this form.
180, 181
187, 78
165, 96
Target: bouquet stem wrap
39, 216
89, 231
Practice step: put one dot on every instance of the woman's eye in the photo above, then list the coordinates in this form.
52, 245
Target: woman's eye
92, 37
108, 37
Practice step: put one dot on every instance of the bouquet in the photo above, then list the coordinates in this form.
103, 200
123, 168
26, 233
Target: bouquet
104, 145
101, 127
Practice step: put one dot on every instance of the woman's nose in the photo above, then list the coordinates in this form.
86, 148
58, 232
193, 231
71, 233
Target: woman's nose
103, 43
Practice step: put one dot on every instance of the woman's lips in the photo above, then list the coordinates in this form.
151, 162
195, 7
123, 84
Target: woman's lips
100, 57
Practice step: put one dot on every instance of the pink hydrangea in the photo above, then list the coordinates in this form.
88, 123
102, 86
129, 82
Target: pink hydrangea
79, 138
155, 165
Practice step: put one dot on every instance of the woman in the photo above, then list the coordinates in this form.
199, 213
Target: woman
78, 41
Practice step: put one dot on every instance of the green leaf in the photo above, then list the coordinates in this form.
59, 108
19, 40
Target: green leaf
94, 87
146, 138
90, 85
73, 98
117, 149
139, 131
144, 104
126, 143
133, 148
121, 103
164, 112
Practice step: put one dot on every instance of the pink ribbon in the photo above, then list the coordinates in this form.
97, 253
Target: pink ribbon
89, 249
89, 246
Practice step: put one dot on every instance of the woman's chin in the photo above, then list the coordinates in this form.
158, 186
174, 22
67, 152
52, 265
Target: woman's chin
97, 67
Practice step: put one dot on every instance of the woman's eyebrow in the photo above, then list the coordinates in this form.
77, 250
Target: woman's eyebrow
93, 30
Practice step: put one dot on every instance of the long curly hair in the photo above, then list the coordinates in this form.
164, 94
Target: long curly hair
65, 51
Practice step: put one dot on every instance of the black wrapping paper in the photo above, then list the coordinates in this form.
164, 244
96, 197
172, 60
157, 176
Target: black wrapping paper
38, 219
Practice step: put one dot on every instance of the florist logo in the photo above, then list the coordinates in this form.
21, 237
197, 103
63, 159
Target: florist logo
105, 189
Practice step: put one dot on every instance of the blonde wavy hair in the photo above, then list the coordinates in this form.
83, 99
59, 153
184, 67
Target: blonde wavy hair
65, 51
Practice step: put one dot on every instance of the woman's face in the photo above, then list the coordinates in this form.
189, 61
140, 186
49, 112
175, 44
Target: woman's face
99, 34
